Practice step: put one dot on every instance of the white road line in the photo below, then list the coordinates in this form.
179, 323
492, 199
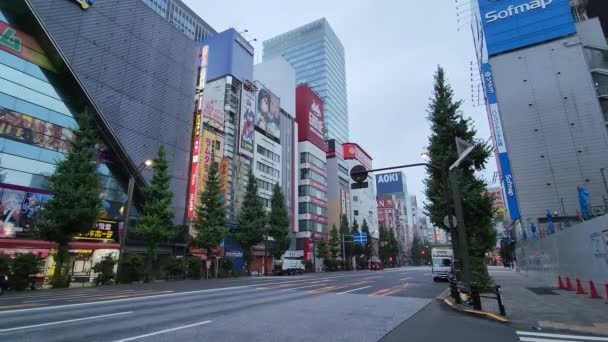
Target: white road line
533, 339
163, 331
374, 277
66, 321
427, 273
56, 295
88, 295
406, 278
361, 288
9, 312
579, 337
304, 287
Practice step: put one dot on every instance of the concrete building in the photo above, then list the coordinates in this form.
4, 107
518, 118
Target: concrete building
317, 55
544, 74
363, 201
182, 17
312, 189
392, 198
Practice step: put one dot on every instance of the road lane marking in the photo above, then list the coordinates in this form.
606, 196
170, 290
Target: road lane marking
20, 306
323, 289
578, 337
374, 277
66, 321
56, 295
130, 295
428, 273
406, 278
124, 299
89, 295
379, 293
533, 339
391, 292
349, 291
304, 287
163, 331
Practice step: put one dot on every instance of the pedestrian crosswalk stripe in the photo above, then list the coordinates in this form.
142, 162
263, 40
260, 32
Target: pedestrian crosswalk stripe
529, 336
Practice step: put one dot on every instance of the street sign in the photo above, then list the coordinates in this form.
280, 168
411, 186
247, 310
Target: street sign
358, 173
359, 238
464, 148
446, 221
356, 186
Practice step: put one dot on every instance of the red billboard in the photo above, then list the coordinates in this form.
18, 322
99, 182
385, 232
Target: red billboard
354, 151
309, 116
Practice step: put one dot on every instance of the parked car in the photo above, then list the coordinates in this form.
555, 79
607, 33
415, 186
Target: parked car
375, 264
3, 283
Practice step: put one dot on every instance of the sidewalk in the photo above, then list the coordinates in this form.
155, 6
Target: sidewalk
534, 304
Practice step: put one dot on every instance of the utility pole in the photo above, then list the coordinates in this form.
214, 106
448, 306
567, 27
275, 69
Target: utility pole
462, 234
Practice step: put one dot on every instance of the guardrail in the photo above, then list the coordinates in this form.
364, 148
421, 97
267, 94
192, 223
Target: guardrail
473, 290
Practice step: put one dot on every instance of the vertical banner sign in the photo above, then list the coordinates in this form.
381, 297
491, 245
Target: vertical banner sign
503, 157
206, 159
196, 144
224, 165
247, 123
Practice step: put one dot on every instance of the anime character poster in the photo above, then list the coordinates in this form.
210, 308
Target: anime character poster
247, 123
268, 112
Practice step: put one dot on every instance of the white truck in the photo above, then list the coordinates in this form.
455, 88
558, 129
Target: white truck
443, 257
289, 264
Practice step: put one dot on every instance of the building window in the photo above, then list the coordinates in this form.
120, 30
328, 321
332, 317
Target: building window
307, 190
356, 212
310, 174
306, 157
355, 199
264, 185
268, 170
269, 154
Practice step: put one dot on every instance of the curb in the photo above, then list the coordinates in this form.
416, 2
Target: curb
483, 314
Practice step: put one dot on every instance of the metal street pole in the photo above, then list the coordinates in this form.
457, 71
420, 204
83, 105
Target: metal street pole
343, 252
265, 251
462, 235
604, 179
125, 225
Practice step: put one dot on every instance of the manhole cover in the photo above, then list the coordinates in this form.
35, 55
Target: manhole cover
543, 291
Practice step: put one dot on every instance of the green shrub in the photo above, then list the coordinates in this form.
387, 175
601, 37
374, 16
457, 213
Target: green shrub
5, 264
105, 270
175, 267
24, 266
133, 268
194, 267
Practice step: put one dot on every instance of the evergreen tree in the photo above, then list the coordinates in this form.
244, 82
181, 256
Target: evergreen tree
416, 250
210, 224
155, 226
323, 249
393, 245
367, 247
357, 248
76, 204
278, 220
251, 221
447, 123
334, 242
384, 249
344, 231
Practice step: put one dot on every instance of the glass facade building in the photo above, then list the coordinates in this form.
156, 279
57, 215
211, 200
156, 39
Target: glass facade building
317, 55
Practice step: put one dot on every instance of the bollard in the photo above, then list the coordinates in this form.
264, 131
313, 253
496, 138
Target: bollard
475, 296
454, 292
501, 305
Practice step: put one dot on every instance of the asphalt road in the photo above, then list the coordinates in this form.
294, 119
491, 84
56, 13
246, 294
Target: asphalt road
390, 305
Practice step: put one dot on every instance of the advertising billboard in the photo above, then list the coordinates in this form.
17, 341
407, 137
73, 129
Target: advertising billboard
208, 153
388, 183
213, 104
23, 46
247, 122
18, 210
512, 24
503, 157
196, 147
268, 112
309, 116
353, 151
26, 129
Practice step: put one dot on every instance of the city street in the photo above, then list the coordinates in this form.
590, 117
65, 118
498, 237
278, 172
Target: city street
346, 306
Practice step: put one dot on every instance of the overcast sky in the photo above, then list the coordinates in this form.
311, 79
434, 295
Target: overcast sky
392, 50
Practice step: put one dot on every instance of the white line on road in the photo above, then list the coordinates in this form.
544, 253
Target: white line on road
125, 299
533, 339
304, 287
163, 331
406, 278
374, 277
428, 273
67, 294
349, 291
66, 321
88, 295
579, 337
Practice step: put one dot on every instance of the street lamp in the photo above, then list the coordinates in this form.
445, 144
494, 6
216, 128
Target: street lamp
125, 221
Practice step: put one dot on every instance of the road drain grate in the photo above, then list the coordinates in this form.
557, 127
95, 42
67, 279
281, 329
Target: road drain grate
543, 291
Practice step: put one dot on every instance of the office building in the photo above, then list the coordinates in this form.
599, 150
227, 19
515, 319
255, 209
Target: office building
363, 201
393, 207
182, 17
338, 184
139, 89
544, 73
312, 184
317, 55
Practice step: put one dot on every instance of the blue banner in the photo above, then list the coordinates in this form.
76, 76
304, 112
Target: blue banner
389, 183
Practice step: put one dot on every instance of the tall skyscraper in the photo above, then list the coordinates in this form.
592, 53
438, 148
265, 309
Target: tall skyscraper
317, 55
180, 15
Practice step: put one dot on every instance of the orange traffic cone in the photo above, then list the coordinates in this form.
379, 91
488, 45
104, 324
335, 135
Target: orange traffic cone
579, 287
560, 283
593, 291
569, 286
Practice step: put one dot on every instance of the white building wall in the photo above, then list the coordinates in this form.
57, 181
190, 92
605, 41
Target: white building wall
259, 161
363, 203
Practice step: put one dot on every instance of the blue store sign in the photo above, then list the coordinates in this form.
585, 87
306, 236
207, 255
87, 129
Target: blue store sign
512, 24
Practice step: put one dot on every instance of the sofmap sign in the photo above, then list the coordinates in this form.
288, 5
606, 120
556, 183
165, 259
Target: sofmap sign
512, 24
389, 183
503, 157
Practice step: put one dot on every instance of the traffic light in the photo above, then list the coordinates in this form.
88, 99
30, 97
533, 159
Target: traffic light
422, 252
